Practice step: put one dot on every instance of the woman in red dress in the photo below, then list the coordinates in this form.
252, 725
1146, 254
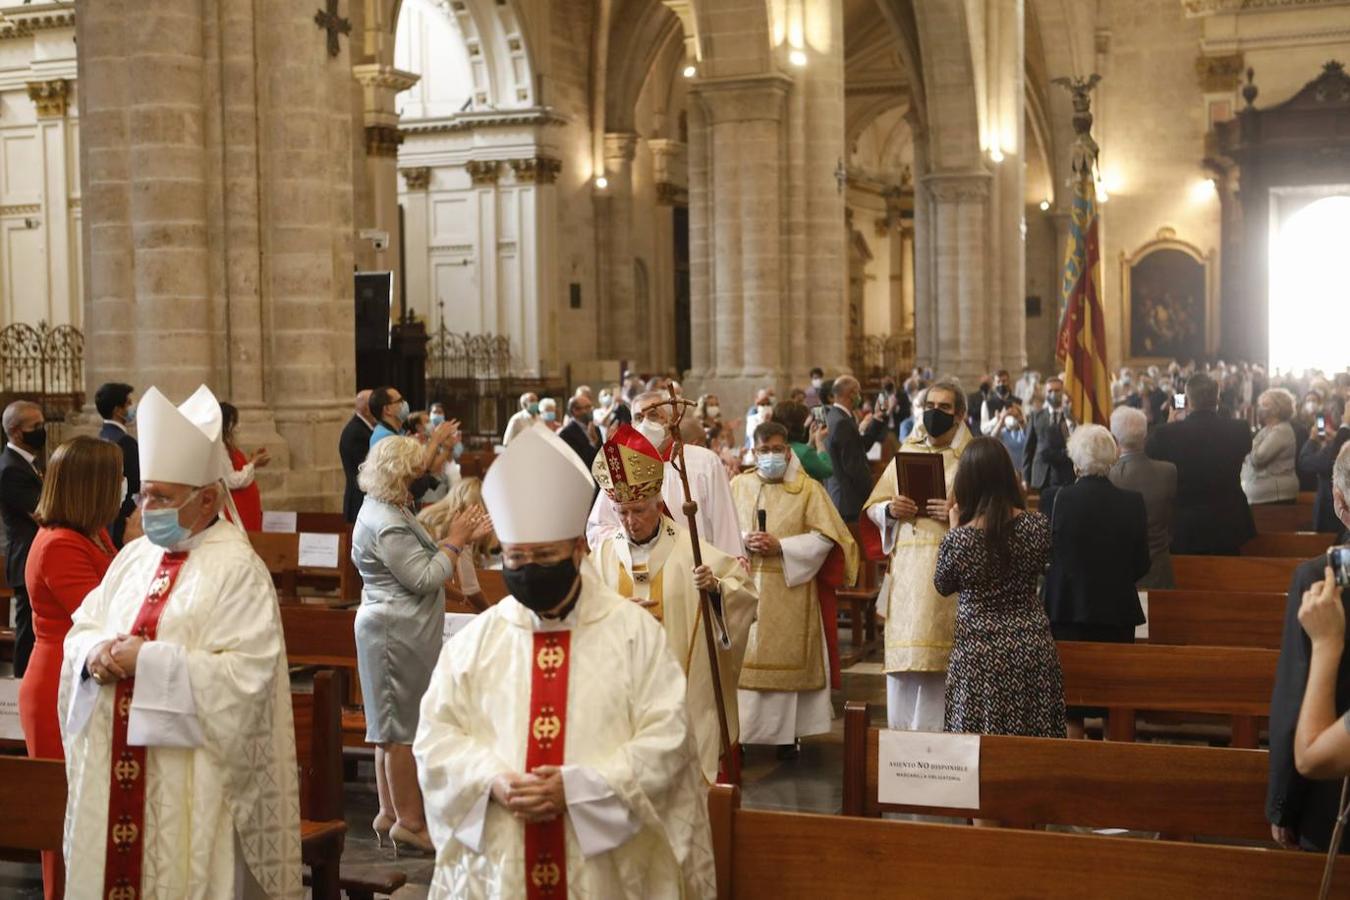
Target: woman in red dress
81, 494
243, 487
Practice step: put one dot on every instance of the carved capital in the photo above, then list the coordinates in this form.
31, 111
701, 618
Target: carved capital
483, 171
536, 169
620, 146
1219, 74
747, 99
670, 194
52, 98
949, 187
383, 140
417, 178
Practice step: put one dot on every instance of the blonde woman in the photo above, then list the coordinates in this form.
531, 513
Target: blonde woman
438, 519
399, 624
1268, 474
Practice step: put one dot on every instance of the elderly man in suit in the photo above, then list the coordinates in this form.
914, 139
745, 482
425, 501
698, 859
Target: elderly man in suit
580, 432
847, 445
115, 403
353, 445
1212, 516
1302, 812
1156, 482
20, 488
1045, 461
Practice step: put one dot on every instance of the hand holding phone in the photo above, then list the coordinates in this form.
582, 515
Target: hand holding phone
1178, 401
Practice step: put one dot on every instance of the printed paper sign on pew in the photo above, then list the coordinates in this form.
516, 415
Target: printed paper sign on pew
917, 768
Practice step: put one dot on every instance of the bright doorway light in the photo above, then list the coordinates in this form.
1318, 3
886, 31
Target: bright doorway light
1310, 289
797, 58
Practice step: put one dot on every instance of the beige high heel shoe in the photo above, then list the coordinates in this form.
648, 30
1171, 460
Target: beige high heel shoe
410, 843
381, 827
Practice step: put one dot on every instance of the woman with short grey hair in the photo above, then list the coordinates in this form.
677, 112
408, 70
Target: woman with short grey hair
1099, 535
1268, 474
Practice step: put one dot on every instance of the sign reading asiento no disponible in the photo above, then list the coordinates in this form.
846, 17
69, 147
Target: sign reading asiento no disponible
919, 768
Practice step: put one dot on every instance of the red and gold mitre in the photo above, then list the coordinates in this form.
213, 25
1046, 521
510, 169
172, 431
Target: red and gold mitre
628, 468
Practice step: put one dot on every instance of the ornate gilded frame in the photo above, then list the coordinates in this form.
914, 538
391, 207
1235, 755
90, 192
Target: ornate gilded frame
1166, 239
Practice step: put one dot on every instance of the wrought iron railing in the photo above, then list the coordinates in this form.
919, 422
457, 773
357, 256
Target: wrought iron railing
474, 376
876, 356
43, 364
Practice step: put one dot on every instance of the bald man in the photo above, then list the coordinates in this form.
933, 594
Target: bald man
353, 446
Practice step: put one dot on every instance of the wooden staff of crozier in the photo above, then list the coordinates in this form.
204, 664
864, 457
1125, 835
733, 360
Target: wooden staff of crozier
690, 509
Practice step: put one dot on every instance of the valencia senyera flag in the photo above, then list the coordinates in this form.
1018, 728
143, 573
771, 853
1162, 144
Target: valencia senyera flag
1080, 346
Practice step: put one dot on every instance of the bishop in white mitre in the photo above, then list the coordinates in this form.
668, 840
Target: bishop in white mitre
651, 562
708, 483
180, 745
553, 749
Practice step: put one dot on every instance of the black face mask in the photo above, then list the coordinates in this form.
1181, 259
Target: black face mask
1002, 390
37, 438
539, 587
937, 423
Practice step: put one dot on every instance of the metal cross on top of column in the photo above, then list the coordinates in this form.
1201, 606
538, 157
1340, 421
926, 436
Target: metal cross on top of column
331, 22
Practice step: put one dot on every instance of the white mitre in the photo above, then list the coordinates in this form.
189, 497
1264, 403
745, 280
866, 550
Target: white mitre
180, 444
538, 490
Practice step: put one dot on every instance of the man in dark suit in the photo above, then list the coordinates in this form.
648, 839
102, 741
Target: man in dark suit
847, 445
20, 489
1302, 812
353, 445
580, 432
1316, 458
116, 405
1212, 515
1045, 461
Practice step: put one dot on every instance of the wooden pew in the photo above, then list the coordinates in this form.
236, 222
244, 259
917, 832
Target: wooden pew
1182, 792
1216, 618
1234, 573
795, 855
1277, 517
1126, 678
1298, 544
281, 554
38, 787
859, 604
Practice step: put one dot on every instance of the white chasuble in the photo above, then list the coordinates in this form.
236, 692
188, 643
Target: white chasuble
785, 690
636, 824
212, 705
663, 570
920, 622
710, 489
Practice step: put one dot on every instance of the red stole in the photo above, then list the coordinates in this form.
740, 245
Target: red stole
126, 799
546, 842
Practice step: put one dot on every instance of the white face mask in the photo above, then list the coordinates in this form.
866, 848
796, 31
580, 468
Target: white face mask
653, 431
714, 411
1010, 421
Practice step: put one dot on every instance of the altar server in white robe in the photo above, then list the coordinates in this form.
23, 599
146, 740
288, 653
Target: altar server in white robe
180, 746
791, 526
553, 749
651, 562
708, 483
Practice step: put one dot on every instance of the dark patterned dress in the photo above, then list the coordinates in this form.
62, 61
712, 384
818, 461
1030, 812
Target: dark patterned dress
1004, 675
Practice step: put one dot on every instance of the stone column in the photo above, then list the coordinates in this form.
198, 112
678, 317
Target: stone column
537, 313
961, 282
622, 336
217, 165
380, 85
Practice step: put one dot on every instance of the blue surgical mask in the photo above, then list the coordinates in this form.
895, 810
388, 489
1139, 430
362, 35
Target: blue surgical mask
162, 527
771, 466
550, 416
131, 414
437, 420
402, 412
458, 451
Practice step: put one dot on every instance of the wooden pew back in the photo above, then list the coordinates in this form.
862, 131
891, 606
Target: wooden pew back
1299, 544
1278, 517
316, 636
1177, 790
794, 855
38, 788
280, 552
1233, 573
1216, 618
1232, 681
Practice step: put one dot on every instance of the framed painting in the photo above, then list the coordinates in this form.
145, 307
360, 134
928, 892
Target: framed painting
1169, 301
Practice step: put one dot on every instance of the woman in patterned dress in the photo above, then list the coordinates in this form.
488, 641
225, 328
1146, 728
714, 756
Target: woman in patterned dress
1004, 675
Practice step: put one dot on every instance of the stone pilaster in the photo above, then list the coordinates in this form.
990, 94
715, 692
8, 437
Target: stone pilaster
958, 233
622, 336
380, 85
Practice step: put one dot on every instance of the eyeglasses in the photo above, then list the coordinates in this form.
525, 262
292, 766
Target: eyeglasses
767, 451
154, 501
515, 559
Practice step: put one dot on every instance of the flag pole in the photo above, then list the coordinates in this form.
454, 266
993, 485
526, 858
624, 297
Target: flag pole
690, 510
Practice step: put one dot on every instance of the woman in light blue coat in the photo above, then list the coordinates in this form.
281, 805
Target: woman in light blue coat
400, 624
